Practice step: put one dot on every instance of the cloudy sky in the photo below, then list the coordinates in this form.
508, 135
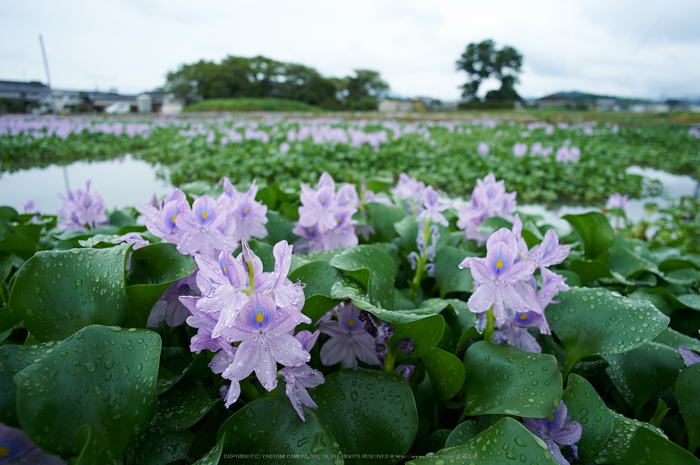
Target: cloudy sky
632, 48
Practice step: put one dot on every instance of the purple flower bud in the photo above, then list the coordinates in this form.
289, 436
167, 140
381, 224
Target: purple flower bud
413, 260
384, 332
407, 345
223, 391
405, 370
430, 269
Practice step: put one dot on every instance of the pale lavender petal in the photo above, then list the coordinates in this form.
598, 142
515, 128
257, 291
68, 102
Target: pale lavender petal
287, 350
334, 350
689, 357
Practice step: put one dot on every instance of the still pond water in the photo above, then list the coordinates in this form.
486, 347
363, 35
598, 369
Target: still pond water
125, 181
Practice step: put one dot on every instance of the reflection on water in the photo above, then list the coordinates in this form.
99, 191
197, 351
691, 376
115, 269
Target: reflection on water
674, 187
121, 182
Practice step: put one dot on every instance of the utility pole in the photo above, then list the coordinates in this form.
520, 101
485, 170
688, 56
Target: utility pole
48, 76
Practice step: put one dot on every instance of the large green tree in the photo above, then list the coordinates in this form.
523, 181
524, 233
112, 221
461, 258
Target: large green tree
482, 61
258, 77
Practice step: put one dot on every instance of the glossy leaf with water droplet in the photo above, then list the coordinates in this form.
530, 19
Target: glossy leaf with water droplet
595, 231
373, 268
153, 269
619, 441
103, 377
159, 446
272, 426
596, 321
57, 293
507, 442
318, 279
183, 406
447, 273
648, 448
688, 396
629, 264
501, 379
369, 412
589, 270
644, 373
446, 373
586, 407
214, 455
462, 433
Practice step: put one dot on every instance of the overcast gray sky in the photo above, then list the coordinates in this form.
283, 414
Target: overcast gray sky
633, 48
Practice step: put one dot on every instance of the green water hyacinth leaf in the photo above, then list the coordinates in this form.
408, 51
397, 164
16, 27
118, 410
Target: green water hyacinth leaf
446, 373
18, 245
629, 264
318, 278
594, 321
644, 373
672, 338
595, 231
369, 412
507, 442
102, 377
271, 426
530, 232
619, 441
590, 270
159, 446
13, 359
501, 379
183, 406
214, 455
447, 274
462, 433
688, 397
153, 269
373, 268
586, 407
383, 218
691, 301
57, 293
648, 448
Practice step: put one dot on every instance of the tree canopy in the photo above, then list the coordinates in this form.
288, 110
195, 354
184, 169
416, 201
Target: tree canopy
259, 77
482, 61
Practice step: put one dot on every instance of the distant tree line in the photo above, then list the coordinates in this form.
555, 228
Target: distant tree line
260, 77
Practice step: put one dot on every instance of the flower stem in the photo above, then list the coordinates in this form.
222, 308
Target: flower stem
422, 261
490, 324
390, 359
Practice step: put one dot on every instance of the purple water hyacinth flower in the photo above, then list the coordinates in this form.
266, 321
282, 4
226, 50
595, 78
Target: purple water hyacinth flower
405, 370
497, 275
694, 132
483, 149
168, 308
30, 208
200, 226
250, 216
302, 377
82, 209
617, 200
689, 357
411, 190
549, 252
488, 199
519, 149
263, 330
161, 221
349, 339
556, 430
347, 197
433, 208
284, 147
511, 334
551, 284
16, 447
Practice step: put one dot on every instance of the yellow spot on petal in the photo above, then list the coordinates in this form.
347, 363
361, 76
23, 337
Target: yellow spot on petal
523, 317
499, 264
4, 452
551, 417
228, 190
225, 270
351, 322
310, 230
87, 204
337, 220
323, 200
174, 216
259, 318
245, 210
204, 214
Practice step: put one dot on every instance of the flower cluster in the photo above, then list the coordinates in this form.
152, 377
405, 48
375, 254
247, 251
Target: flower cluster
617, 200
483, 149
81, 210
556, 431
489, 198
209, 225
325, 217
410, 191
247, 317
506, 290
566, 154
